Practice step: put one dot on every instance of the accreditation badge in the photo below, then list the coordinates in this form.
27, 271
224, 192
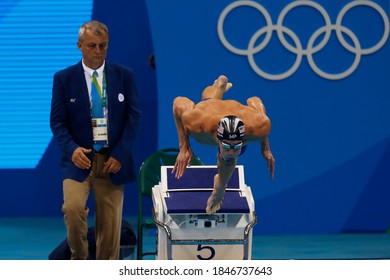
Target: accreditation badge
99, 128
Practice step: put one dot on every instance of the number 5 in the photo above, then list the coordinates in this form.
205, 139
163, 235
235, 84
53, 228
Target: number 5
211, 249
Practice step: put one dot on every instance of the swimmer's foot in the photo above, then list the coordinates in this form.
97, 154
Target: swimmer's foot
217, 90
222, 83
214, 203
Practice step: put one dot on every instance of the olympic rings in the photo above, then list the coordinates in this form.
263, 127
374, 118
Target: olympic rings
297, 48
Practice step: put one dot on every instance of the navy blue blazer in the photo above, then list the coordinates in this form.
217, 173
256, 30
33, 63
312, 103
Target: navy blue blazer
70, 118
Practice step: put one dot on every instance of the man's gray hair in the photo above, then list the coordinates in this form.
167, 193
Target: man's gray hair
96, 26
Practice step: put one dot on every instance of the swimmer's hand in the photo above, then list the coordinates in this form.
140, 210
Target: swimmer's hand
183, 160
270, 162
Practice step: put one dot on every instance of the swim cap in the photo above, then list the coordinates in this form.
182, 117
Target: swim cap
231, 128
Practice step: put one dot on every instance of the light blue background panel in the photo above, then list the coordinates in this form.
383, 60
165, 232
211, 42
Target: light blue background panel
37, 39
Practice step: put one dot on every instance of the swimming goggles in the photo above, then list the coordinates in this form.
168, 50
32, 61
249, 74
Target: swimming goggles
234, 147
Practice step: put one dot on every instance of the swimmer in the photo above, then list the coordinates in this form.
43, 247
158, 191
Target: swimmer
227, 124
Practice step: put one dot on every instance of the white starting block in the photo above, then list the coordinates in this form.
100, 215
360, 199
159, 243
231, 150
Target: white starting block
187, 232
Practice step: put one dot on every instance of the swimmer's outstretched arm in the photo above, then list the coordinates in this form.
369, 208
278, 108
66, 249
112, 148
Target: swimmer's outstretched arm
267, 154
180, 105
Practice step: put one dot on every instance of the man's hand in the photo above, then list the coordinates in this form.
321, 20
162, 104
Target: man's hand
112, 165
270, 162
80, 159
182, 161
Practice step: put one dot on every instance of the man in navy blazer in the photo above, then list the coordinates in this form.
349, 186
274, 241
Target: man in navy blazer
103, 170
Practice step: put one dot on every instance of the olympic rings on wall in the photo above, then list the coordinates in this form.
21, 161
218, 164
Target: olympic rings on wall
298, 49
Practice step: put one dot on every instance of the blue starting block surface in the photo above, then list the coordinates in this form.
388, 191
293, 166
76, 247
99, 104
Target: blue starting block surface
196, 202
190, 193
198, 178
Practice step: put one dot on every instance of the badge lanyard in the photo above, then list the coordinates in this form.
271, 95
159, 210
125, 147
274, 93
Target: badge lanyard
104, 96
99, 125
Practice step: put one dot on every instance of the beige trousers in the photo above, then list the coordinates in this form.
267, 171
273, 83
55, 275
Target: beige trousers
108, 213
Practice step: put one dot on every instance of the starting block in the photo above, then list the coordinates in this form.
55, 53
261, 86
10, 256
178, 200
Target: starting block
185, 231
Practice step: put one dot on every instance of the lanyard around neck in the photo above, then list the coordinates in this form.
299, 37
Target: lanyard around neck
102, 93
